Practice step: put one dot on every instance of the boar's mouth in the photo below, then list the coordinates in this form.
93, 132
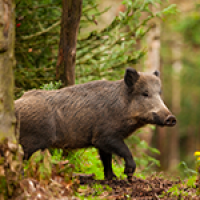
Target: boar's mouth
157, 120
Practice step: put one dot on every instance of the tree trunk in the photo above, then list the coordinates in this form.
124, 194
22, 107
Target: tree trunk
65, 68
161, 135
191, 142
161, 138
7, 61
174, 153
153, 41
153, 60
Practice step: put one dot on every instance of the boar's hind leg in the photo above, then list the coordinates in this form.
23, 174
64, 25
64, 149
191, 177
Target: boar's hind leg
119, 148
28, 153
106, 159
32, 144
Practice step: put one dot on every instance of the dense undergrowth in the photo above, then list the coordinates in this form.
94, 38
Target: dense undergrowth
55, 176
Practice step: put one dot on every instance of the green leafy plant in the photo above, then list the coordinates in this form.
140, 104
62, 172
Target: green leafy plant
191, 182
88, 161
185, 171
51, 86
177, 192
183, 189
140, 149
39, 166
186, 187
93, 192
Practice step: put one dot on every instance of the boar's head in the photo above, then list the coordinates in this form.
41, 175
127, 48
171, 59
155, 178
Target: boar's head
144, 97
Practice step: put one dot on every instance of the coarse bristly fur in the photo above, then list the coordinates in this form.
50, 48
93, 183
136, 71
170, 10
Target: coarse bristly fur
98, 113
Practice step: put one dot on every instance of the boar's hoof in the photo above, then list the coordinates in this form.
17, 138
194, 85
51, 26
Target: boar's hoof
111, 177
130, 178
129, 173
170, 121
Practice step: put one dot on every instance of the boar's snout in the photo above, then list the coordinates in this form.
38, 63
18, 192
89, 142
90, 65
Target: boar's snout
170, 120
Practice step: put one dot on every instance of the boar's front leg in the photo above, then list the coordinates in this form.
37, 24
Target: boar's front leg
106, 159
118, 147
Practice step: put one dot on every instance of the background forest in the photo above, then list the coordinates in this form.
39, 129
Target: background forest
108, 42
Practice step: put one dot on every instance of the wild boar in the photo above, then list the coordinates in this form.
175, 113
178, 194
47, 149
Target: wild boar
98, 114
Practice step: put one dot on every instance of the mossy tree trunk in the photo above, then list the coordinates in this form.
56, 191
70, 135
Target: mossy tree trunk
68, 37
7, 61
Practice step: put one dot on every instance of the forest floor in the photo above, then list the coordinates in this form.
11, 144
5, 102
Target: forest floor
152, 188
45, 179
86, 187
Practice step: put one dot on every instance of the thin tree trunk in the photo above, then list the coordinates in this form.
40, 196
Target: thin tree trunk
191, 141
153, 41
7, 61
65, 68
174, 153
161, 138
153, 60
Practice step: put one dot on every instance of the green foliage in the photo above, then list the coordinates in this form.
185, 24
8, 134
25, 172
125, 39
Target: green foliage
3, 186
34, 43
112, 49
186, 185
191, 182
51, 85
182, 190
189, 27
144, 161
104, 53
57, 155
175, 191
185, 171
183, 29
98, 189
39, 166
42, 165
171, 9
88, 161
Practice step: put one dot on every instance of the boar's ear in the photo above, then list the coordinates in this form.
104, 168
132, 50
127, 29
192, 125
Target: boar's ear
157, 73
131, 76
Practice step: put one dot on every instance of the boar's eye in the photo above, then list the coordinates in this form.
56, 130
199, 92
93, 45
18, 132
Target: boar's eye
145, 94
